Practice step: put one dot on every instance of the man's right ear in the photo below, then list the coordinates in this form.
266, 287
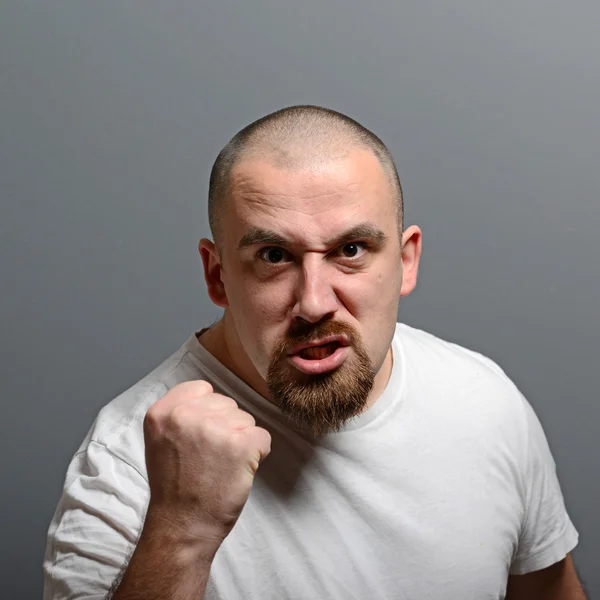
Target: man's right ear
213, 272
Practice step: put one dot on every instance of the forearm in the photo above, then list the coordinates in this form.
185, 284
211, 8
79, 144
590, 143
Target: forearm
166, 565
557, 582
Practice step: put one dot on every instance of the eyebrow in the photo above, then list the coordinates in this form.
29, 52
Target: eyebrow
256, 235
364, 231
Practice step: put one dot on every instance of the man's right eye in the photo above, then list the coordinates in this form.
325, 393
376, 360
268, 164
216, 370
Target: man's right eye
274, 255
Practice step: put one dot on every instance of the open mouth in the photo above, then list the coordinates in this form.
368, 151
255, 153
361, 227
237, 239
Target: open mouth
320, 359
319, 352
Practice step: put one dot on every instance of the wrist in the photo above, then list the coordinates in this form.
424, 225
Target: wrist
190, 539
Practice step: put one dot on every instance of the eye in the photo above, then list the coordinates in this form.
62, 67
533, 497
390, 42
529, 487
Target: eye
274, 255
353, 249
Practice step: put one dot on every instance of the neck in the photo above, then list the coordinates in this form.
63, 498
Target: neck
381, 379
222, 341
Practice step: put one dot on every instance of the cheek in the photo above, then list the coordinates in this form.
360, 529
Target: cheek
389, 279
247, 288
259, 310
377, 298
266, 301
373, 294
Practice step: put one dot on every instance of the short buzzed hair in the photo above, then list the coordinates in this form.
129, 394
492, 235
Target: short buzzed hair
286, 136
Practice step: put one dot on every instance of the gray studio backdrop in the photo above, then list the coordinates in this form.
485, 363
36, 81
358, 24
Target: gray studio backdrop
111, 114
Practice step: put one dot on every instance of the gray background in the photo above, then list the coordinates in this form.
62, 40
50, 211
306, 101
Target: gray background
112, 113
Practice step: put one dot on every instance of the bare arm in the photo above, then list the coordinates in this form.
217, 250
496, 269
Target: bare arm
558, 582
166, 565
202, 453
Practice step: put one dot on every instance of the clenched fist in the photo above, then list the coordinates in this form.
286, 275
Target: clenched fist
202, 453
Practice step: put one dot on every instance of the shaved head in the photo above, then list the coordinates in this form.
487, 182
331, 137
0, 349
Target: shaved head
297, 137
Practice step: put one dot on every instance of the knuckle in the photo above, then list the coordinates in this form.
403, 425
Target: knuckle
214, 424
150, 423
203, 387
180, 415
153, 416
238, 442
220, 441
248, 417
194, 387
153, 424
222, 400
265, 438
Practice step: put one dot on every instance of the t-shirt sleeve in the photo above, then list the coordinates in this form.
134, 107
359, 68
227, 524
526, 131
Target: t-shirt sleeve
547, 534
95, 527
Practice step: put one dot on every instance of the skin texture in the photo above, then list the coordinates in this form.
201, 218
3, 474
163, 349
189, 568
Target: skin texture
557, 582
309, 210
202, 453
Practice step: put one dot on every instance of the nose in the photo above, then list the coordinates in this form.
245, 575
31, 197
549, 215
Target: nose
315, 297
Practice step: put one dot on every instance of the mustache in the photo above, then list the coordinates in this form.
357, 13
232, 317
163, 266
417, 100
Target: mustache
305, 333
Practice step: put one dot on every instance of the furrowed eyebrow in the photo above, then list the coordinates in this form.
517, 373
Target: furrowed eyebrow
256, 235
365, 231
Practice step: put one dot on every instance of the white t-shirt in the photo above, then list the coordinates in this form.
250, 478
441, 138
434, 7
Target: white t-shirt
440, 490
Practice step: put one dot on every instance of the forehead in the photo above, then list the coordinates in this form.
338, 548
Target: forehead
312, 200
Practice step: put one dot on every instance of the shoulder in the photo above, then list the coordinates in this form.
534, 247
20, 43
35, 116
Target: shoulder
118, 427
461, 385
447, 359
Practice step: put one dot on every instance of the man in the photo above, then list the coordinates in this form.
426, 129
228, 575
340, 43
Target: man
307, 446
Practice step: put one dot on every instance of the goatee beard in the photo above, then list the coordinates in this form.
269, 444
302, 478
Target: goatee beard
321, 403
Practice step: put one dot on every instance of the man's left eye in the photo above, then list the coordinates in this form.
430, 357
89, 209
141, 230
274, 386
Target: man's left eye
353, 249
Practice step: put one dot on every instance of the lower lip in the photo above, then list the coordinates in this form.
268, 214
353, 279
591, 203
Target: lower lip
322, 365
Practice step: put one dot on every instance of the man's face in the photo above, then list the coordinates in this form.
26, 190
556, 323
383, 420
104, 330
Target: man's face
312, 256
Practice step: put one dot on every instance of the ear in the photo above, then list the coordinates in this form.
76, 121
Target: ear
411, 255
213, 272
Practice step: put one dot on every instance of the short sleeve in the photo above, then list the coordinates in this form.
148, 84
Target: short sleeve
547, 534
95, 527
